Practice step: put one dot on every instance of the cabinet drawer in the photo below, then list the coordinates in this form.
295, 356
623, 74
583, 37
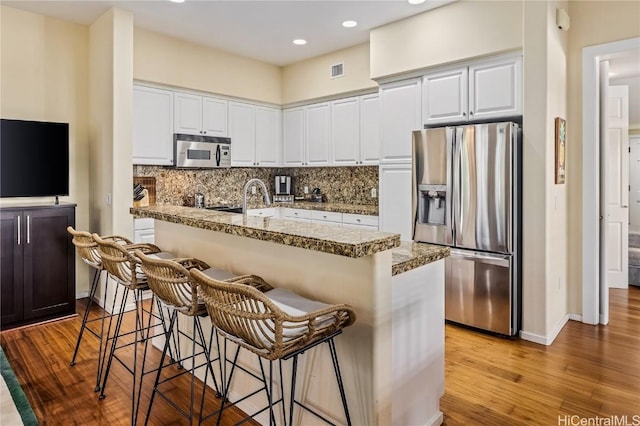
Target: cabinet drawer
143, 223
360, 219
269, 212
326, 216
296, 213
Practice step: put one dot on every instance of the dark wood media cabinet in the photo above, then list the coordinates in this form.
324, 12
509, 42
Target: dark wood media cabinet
37, 269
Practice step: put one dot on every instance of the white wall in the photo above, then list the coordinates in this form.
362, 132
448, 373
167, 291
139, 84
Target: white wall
44, 76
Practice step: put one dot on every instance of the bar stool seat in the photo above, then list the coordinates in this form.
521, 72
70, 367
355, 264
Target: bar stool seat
88, 251
171, 283
275, 324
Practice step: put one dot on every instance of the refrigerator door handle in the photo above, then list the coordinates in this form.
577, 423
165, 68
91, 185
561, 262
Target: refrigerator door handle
449, 203
456, 220
491, 259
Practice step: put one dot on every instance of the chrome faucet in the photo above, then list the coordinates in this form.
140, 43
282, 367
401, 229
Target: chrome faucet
265, 191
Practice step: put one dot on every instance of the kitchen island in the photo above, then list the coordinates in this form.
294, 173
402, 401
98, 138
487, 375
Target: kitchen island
392, 358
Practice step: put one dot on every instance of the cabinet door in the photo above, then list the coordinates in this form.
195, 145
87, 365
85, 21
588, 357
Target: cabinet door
49, 267
242, 130
318, 133
400, 114
345, 131
187, 114
293, 137
396, 213
444, 96
369, 129
152, 126
11, 243
214, 117
268, 140
495, 89
144, 236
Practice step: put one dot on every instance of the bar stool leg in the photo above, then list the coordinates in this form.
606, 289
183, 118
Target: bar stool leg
228, 382
114, 340
92, 292
336, 367
294, 371
284, 415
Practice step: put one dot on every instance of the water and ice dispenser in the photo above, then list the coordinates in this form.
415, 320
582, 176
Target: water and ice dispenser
432, 205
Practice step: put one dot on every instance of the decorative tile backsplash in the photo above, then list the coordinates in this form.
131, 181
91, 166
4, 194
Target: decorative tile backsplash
351, 185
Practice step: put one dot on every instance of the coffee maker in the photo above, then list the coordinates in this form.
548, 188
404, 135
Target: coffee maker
283, 189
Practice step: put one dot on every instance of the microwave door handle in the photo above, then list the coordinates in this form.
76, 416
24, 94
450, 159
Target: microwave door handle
218, 155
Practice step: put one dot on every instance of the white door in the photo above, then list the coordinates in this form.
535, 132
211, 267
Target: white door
400, 114
603, 105
187, 113
242, 130
395, 200
634, 184
369, 129
293, 137
318, 133
345, 130
214, 117
618, 187
444, 96
152, 126
268, 141
495, 89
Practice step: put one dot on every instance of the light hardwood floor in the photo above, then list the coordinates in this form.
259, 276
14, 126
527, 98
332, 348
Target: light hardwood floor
588, 371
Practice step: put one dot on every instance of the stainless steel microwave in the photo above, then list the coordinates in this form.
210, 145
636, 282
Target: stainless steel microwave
205, 152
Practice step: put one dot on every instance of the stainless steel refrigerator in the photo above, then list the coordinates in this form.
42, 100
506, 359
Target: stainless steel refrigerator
466, 194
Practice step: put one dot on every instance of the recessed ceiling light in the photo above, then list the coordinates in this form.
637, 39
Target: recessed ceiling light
299, 41
416, 1
177, 1
349, 24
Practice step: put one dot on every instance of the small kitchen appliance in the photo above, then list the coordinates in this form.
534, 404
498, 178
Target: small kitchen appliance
206, 152
283, 189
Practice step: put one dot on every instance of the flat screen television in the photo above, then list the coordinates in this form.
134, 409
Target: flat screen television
34, 158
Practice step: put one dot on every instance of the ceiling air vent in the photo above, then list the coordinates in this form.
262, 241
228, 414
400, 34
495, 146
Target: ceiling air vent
337, 70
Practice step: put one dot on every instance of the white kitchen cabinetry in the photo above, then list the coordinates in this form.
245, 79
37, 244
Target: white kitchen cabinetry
479, 91
199, 115
152, 126
265, 212
355, 130
395, 200
307, 133
144, 230
296, 214
333, 218
400, 114
255, 135
360, 221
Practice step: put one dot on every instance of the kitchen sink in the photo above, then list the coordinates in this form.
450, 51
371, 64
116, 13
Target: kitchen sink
227, 208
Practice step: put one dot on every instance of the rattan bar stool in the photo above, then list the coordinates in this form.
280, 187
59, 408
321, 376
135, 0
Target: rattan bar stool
123, 266
274, 324
89, 253
171, 283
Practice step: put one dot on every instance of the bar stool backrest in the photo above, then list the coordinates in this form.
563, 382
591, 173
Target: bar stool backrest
88, 249
245, 314
171, 282
121, 263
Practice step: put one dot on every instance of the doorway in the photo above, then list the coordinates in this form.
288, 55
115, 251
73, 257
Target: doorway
594, 262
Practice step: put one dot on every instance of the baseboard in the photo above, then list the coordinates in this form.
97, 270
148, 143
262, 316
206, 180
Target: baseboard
602, 321
436, 420
546, 340
82, 295
575, 317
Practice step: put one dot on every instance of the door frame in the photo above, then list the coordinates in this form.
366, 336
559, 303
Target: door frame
591, 57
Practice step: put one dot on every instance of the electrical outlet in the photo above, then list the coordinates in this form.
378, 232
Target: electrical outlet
374, 193
306, 189
108, 199
254, 190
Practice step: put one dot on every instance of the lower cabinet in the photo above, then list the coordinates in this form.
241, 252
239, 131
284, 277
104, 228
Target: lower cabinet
37, 270
395, 207
144, 230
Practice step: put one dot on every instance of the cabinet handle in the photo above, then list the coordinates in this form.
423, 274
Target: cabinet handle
18, 230
205, 132
324, 216
464, 114
358, 220
470, 112
28, 229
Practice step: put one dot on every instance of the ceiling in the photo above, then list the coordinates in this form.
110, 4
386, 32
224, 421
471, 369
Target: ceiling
259, 29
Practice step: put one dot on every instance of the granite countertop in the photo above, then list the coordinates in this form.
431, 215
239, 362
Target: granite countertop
331, 207
325, 238
410, 255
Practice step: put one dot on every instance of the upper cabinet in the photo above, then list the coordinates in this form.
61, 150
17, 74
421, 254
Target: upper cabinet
480, 91
152, 126
199, 115
306, 135
255, 135
355, 130
400, 114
